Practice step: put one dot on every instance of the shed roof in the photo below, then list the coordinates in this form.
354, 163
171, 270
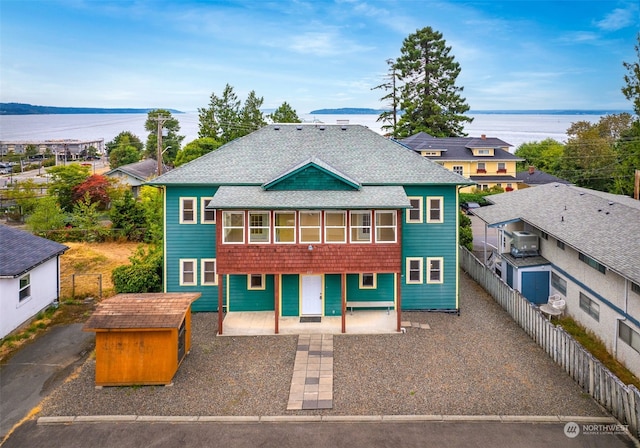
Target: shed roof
22, 251
138, 311
354, 151
601, 225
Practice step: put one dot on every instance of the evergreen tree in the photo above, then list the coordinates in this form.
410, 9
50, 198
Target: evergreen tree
221, 119
125, 138
430, 99
195, 149
389, 118
251, 117
171, 141
632, 79
284, 114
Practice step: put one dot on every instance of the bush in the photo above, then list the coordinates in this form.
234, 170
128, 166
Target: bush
144, 274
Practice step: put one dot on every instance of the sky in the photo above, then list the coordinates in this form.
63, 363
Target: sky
513, 55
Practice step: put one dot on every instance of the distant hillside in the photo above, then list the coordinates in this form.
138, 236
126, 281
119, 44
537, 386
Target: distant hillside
29, 109
348, 111
550, 112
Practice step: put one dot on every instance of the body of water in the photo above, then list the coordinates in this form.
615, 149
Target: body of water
514, 129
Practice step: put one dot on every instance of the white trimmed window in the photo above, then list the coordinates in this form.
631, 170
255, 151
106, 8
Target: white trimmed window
256, 281
434, 209
335, 227
629, 335
435, 266
360, 226
25, 287
385, 226
209, 276
559, 284
207, 215
233, 227
414, 270
368, 281
188, 210
458, 169
188, 274
414, 214
259, 227
309, 227
285, 227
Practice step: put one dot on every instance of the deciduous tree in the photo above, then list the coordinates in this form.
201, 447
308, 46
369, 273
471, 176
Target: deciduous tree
63, 179
195, 149
631, 90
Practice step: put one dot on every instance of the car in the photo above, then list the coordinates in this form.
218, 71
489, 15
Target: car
469, 207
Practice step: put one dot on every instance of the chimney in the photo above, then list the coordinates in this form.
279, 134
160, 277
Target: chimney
532, 169
483, 136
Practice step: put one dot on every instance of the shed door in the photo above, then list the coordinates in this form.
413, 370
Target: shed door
311, 295
509, 275
535, 286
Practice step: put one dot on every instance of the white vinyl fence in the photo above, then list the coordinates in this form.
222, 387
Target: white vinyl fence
623, 401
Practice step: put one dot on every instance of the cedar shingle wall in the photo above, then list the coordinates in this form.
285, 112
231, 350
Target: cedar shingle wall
289, 259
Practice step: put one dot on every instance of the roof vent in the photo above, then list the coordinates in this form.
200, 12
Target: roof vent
276, 128
299, 128
610, 202
344, 128
322, 128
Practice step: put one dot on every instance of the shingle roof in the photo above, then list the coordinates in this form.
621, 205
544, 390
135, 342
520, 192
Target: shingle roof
251, 197
141, 170
459, 148
601, 225
354, 150
21, 251
538, 178
131, 311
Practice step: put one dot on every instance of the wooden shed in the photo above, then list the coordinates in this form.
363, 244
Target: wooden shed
141, 339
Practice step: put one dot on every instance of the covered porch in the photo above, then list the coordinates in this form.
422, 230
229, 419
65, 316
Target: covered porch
245, 323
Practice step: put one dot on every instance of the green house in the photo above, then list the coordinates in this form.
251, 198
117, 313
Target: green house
311, 220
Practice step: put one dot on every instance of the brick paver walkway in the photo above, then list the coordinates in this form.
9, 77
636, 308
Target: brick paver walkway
312, 381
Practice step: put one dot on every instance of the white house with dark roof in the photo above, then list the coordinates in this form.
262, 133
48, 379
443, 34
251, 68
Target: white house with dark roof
588, 252
135, 174
485, 160
29, 276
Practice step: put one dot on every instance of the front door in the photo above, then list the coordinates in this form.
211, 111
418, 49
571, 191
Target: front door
311, 295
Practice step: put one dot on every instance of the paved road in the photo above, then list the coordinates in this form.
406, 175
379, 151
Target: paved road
309, 435
38, 368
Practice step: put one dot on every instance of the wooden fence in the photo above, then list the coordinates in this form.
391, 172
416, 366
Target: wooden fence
622, 401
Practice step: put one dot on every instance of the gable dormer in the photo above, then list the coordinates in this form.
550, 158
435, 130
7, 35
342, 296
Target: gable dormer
312, 174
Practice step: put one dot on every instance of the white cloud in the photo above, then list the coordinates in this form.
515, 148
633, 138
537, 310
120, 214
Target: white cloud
620, 18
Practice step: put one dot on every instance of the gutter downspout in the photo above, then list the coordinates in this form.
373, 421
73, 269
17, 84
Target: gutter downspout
621, 319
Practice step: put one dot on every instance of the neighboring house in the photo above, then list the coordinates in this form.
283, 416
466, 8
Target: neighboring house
588, 246
29, 276
301, 219
135, 174
486, 161
533, 178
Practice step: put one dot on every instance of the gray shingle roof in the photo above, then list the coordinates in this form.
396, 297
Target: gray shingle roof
356, 151
459, 148
21, 251
141, 170
601, 225
538, 178
251, 197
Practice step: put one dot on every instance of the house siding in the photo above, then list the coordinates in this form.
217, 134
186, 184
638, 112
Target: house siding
423, 240
384, 290
245, 299
188, 241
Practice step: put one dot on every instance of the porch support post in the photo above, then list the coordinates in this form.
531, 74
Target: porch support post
343, 299
276, 302
220, 301
399, 301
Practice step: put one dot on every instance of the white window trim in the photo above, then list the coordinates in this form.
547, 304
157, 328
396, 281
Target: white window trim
195, 271
394, 226
264, 227
360, 229
224, 227
441, 201
195, 210
203, 271
591, 307
408, 261
408, 219
319, 227
441, 279
292, 227
344, 227
253, 288
203, 209
23, 288
375, 281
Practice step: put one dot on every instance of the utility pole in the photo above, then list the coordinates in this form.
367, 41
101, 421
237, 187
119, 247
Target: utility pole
161, 119
636, 186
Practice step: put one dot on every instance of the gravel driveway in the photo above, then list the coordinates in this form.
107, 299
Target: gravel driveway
477, 363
